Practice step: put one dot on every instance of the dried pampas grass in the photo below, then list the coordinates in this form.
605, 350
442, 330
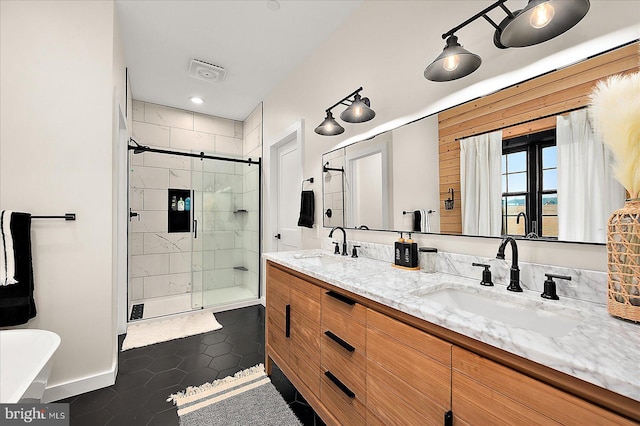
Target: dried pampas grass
615, 110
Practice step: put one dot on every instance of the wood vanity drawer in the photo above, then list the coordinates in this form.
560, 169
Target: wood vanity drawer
345, 327
348, 366
484, 388
336, 350
348, 410
416, 369
391, 401
410, 336
335, 302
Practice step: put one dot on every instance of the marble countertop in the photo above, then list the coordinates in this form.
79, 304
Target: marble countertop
601, 350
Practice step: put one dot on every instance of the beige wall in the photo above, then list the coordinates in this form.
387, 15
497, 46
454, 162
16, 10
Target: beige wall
56, 143
388, 62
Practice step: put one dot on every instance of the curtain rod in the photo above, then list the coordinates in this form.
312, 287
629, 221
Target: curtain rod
565, 112
137, 149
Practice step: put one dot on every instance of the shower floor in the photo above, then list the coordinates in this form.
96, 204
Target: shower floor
169, 305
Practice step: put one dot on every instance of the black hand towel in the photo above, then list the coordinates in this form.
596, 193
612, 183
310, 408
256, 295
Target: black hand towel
17, 305
417, 221
306, 209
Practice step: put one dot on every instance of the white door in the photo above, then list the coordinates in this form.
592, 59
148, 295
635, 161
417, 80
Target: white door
287, 233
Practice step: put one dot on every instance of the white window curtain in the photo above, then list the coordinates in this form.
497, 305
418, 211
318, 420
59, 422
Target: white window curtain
481, 184
587, 191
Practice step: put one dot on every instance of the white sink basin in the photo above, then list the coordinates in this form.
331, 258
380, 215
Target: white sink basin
513, 310
323, 259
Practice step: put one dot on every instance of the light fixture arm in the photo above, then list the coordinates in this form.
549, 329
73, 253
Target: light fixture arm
482, 13
343, 100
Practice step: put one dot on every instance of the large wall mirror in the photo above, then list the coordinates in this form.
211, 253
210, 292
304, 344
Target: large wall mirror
523, 162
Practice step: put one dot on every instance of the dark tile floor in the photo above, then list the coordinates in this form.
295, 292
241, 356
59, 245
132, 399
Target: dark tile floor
148, 375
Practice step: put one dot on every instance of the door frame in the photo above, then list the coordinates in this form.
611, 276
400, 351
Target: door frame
295, 132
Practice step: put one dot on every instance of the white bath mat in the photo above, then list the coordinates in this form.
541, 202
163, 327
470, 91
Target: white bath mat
161, 331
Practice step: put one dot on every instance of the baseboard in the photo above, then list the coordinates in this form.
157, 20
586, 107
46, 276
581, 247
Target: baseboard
80, 386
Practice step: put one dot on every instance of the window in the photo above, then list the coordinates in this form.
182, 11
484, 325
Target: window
530, 185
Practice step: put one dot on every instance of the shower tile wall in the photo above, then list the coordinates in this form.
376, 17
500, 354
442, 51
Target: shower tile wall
252, 148
160, 263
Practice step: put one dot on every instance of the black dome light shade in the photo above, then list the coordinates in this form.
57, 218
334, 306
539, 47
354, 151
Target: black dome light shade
358, 111
541, 20
329, 126
454, 62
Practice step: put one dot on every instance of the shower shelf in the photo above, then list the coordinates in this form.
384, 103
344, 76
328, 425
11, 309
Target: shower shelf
240, 211
240, 268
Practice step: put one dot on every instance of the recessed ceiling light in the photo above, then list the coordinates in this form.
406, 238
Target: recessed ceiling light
196, 100
273, 5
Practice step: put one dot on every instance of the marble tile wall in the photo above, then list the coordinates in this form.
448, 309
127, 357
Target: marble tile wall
160, 263
252, 148
585, 285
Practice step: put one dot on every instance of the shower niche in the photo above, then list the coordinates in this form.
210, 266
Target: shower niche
179, 210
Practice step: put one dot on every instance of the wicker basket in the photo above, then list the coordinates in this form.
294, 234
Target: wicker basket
623, 247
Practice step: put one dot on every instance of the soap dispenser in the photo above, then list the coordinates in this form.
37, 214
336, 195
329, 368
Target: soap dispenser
399, 250
180, 205
410, 253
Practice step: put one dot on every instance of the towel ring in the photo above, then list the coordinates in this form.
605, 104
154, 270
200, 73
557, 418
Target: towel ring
310, 180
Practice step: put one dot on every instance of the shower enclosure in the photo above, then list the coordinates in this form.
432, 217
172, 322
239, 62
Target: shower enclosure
193, 232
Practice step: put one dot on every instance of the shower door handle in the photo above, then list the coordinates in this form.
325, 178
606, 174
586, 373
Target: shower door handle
195, 228
134, 214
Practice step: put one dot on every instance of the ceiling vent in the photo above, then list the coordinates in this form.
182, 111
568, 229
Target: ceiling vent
206, 71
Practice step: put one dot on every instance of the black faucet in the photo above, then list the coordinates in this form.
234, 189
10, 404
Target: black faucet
344, 239
514, 282
526, 222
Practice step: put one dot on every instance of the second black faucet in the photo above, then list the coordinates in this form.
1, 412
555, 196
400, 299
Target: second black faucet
514, 280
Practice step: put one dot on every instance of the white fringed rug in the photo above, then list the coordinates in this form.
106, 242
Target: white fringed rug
161, 331
246, 398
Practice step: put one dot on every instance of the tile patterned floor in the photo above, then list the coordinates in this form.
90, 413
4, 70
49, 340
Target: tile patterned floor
148, 375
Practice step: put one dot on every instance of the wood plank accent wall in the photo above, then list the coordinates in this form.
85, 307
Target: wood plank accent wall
524, 108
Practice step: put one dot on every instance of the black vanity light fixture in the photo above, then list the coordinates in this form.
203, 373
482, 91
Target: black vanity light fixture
358, 111
539, 21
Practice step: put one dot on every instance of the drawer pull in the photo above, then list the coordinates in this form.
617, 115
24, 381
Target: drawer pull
287, 324
341, 298
339, 384
339, 341
448, 418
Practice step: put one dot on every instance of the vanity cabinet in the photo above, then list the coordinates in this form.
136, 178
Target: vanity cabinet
408, 373
293, 325
356, 364
485, 392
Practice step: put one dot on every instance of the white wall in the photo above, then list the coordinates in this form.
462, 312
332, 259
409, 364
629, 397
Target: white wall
56, 142
384, 46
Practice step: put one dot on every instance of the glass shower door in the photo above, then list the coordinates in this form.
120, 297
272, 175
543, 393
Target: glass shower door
226, 243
